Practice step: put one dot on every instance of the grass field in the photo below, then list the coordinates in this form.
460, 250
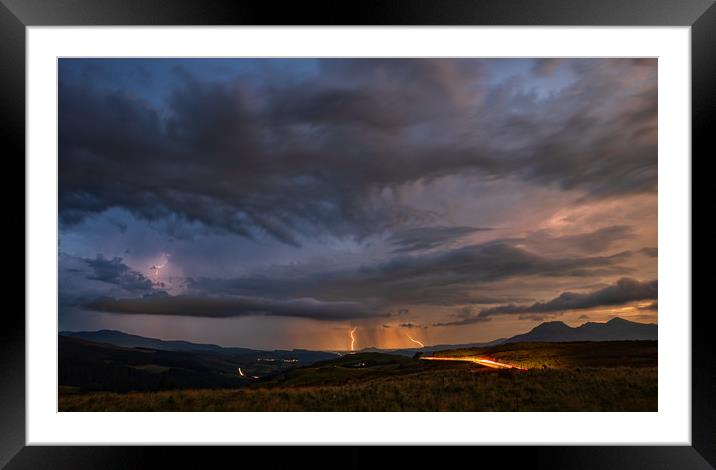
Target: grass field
567, 355
615, 389
615, 376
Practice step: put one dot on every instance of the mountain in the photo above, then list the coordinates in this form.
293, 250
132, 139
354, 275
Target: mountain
616, 329
119, 338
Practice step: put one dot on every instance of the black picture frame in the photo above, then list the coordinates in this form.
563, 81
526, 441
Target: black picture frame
700, 15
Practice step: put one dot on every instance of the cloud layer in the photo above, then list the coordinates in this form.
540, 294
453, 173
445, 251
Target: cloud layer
624, 291
295, 158
162, 303
263, 198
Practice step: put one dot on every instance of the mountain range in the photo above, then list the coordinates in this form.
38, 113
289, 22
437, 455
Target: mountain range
126, 340
616, 329
109, 360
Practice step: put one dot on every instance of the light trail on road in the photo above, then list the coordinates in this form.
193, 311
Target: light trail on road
476, 360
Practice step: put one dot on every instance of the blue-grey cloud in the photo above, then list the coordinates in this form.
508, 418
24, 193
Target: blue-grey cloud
234, 306
255, 156
114, 271
426, 238
443, 277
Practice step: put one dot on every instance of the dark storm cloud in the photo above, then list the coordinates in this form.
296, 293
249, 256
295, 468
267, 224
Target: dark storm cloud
231, 306
300, 157
426, 238
467, 315
596, 241
463, 321
444, 277
652, 252
624, 291
82, 279
114, 271
543, 241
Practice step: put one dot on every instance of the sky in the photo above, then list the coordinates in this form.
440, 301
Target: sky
282, 203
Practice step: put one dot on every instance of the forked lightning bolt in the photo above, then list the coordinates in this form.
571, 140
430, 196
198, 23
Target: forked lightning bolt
353, 338
415, 341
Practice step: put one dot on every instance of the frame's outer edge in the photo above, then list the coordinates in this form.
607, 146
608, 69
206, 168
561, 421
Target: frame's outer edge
367, 12
12, 333
550, 457
703, 111
19, 13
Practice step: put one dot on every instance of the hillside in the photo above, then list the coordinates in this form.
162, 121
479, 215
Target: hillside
365, 366
119, 338
584, 376
90, 366
567, 355
137, 363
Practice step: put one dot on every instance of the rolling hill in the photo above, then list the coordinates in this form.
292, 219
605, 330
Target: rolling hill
569, 376
616, 329
88, 366
119, 338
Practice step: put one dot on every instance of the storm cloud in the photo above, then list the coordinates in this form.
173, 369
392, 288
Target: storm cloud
426, 238
256, 156
624, 291
114, 271
225, 306
272, 202
587, 242
445, 277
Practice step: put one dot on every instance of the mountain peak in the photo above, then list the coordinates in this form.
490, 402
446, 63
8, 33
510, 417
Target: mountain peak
551, 325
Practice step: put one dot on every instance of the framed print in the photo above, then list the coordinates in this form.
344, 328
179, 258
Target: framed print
402, 226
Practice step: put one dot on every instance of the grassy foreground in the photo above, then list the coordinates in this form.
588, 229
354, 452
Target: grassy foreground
460, 389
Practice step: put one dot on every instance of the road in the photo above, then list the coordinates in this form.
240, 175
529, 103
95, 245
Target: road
475, 360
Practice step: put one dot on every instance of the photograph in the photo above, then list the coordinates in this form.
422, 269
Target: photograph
364, 234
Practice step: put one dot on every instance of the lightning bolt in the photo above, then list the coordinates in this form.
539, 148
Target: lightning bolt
156, 268
353, 339
415, 341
